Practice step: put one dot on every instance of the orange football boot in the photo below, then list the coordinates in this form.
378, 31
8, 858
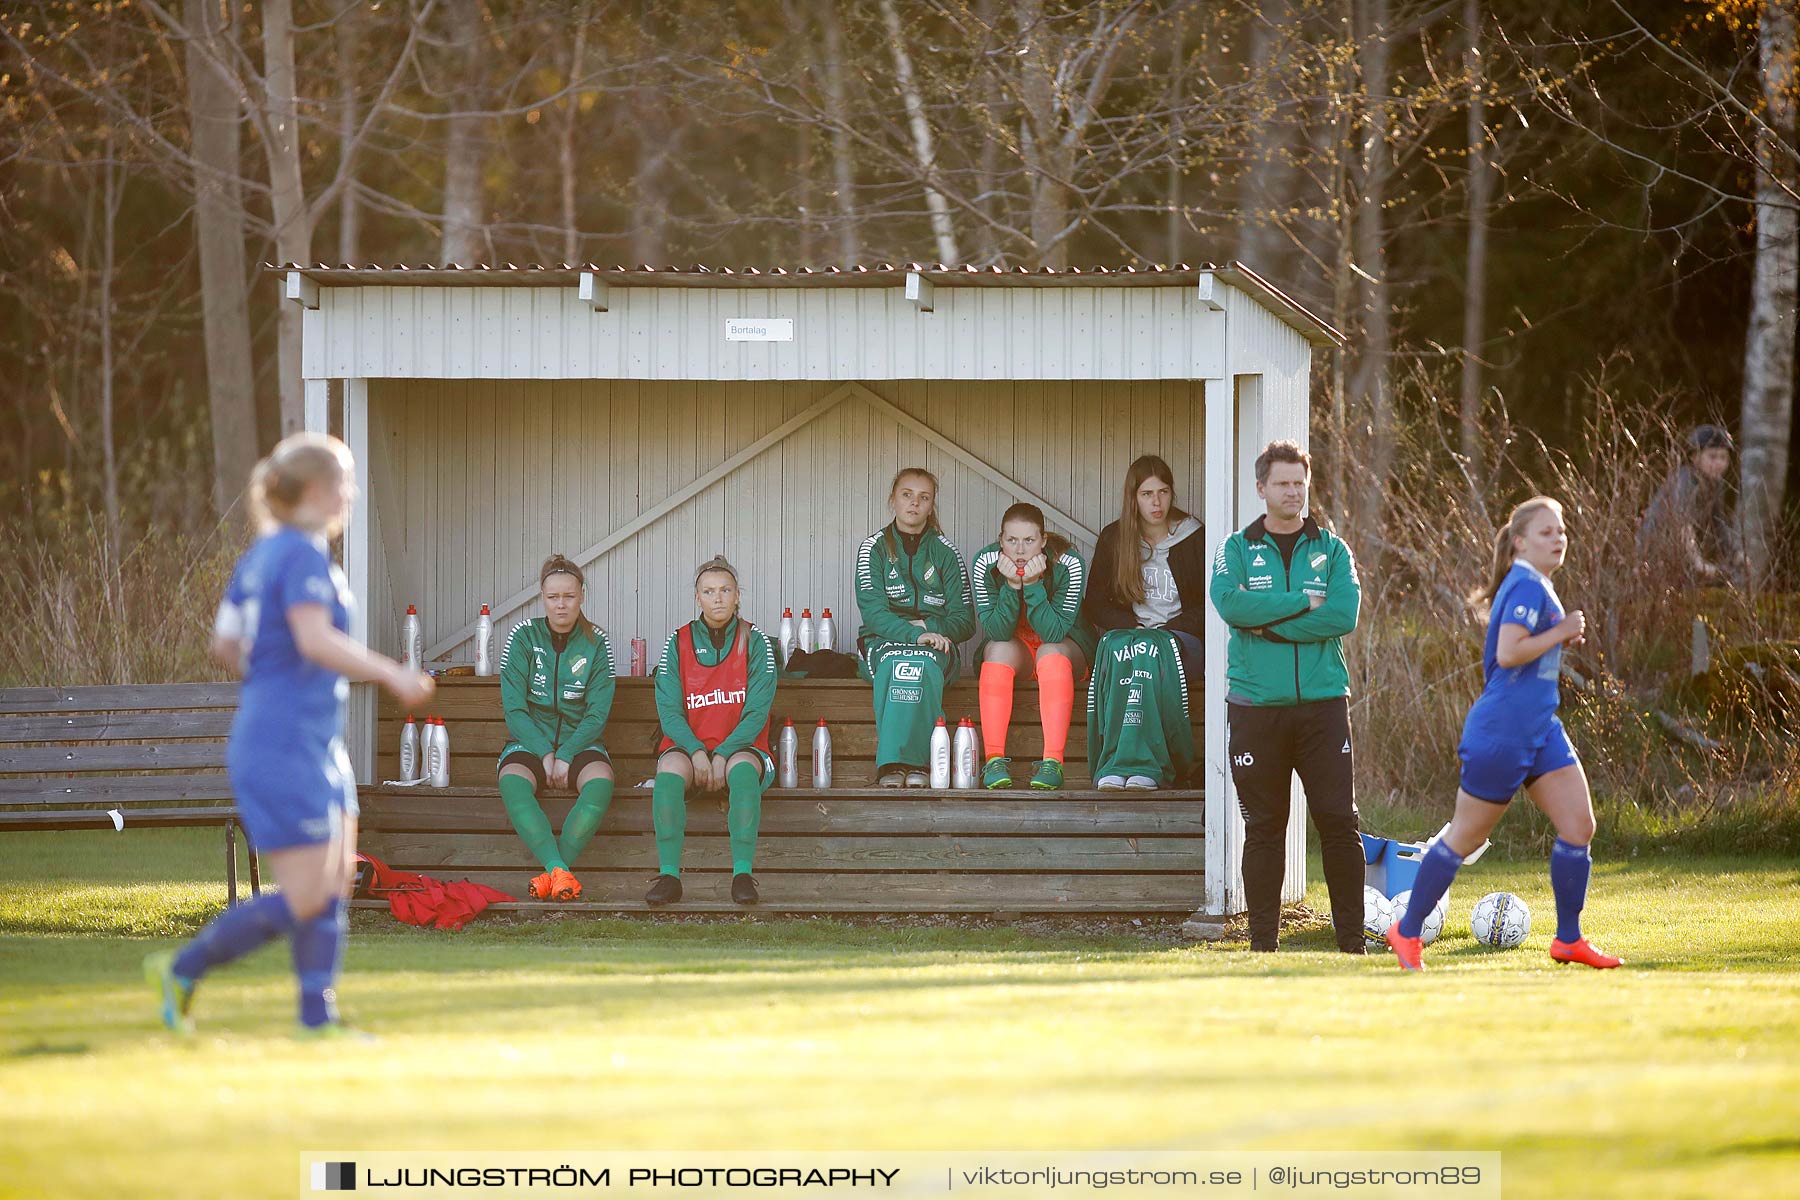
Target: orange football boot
1582, 951
564, 886
539, 888
1410, 951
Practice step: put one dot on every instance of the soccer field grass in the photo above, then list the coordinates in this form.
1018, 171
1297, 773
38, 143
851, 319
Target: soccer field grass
1676, 1076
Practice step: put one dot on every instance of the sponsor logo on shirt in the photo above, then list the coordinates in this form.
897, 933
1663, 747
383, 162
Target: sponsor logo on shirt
1243, 760
908, 672
1259, 560
574, 693
906, 695
1260, 583
934, 601
697, 700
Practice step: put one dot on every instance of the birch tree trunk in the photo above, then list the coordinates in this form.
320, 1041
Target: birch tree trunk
923, 150
213, 117
1768, 412
1481, 190
1369, 383
287, 198
464, 144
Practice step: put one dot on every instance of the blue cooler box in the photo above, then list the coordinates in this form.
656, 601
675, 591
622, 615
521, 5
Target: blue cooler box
1390, 866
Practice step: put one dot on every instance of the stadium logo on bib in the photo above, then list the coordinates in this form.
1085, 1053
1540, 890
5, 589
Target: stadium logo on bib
716, 696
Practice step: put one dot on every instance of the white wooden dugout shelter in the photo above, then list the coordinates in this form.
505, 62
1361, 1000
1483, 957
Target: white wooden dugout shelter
642, 420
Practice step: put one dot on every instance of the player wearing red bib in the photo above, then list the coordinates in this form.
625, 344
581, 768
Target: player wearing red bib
715, 687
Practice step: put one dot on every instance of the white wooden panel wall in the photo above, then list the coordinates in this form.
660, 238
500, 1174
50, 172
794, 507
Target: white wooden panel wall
477, 480
439, 332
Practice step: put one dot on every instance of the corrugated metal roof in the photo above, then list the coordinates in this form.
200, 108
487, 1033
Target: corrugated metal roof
1237, 274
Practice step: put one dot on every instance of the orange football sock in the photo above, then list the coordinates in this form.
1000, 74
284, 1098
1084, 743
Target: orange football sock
996, 690
1056, 701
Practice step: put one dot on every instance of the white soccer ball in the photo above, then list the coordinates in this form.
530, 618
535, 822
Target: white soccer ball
1378, 914
1434, 920
1500, 919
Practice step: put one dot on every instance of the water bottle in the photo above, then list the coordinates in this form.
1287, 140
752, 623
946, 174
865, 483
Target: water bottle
827, 632
822, 756
484, 642
808, 643
440, 767
414, 637
428, 749
409, 750
787, 757
940, 755
963, 752
785, 636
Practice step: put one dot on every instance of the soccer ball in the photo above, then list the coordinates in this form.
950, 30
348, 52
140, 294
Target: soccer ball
1378, 914
1434, 920
1500, 919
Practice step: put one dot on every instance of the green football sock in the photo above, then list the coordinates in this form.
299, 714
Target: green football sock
668, 809
529, 821
584, 819
744, 818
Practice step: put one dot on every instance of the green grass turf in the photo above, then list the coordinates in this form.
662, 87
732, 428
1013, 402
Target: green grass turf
1677, 1076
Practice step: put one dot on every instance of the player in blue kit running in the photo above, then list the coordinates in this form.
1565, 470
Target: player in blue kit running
284, 626
1512, 738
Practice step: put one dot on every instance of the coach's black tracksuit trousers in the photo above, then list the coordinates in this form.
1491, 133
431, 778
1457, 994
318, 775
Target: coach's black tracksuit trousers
1268, 744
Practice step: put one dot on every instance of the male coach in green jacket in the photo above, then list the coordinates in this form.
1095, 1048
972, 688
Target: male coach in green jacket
1287, 588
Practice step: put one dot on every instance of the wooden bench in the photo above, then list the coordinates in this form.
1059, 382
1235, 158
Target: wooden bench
849, 848
154, 754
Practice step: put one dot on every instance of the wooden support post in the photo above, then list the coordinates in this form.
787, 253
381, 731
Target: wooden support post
359, 732
230, 861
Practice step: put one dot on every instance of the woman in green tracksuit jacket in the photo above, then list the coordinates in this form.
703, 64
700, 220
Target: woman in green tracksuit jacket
913, 595
1028, 592
556, 686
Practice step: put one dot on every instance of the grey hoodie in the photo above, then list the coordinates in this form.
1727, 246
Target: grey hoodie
1162, 600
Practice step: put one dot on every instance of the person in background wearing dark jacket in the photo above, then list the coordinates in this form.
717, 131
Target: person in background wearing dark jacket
1687, 537
1150, 569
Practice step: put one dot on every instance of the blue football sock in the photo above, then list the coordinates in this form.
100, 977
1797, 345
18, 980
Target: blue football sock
234, 933
1570, 867
318, 952
1437, 871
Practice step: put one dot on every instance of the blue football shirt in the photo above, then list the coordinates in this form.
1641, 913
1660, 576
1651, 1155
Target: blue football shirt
287, 701
1517, 703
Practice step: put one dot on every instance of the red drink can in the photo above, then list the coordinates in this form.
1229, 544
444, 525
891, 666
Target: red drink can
640, 656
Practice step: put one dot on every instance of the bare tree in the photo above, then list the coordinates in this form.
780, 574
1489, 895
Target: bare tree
1481, 190
287, 191
465, 143
214, 117
349, 54
923, 146
843, 165
1768, 412
1370, 385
